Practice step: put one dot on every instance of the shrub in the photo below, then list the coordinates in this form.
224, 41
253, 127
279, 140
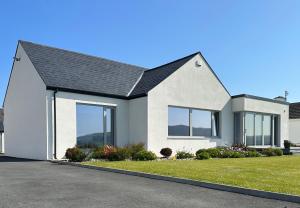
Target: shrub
213, 152
184, 155
119, 155
226, 153
103, 152
75, 154
135, 148
144, 155
287, 144
278, 152
166, 152
236, 154
272, 152
252, 153
203, 155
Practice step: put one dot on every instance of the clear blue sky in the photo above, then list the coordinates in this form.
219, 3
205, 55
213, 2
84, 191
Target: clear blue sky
253, 46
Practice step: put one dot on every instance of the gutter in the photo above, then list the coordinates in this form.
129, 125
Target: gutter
54, 123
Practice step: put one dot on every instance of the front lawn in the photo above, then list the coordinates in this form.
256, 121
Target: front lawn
276, 174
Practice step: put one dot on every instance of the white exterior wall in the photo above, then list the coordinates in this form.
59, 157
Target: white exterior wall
294, 130
261, 106
25, 111
138, 121
66, 118
1, 142
191, 87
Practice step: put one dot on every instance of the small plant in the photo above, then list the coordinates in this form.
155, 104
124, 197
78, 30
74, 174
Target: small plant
236, 154
119, 155
203, 155
166, 152
184, 155
269, 152
75, 154
144, 155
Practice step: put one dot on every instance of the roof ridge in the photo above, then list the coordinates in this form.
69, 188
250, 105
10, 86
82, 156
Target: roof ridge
79, 53
193, 54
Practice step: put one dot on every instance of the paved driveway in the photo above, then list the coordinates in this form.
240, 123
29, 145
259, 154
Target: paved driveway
33, 184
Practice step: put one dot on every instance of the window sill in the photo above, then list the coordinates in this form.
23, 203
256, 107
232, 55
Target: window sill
192, 137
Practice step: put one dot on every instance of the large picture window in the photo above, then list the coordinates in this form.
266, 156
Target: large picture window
94, 125
192, 122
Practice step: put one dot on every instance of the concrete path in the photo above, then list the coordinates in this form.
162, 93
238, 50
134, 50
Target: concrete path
36, 184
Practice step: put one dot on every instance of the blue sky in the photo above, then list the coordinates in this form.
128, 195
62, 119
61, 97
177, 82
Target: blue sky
253, 46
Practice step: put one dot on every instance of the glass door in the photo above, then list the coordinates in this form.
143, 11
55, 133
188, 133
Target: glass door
267, 129
258, 129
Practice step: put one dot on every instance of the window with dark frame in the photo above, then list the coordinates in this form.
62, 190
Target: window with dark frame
193, 122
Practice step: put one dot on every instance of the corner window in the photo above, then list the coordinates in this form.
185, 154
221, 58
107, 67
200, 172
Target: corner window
94, 125
192, 122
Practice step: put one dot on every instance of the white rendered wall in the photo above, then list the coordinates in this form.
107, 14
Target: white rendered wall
25, 112
294, 130
1, 142
191, 87
66, 118
255, 105
138, 121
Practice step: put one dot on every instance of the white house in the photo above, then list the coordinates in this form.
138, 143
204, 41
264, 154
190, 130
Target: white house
57, 99
294, 123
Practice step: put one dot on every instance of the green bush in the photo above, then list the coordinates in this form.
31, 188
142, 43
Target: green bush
135, 148
227, 154
166, 152
119, 155
252, 153
144, 155
213, 152
278, 152
98, 153
75, 154
204, 155
236, 154
184, 155
269, 152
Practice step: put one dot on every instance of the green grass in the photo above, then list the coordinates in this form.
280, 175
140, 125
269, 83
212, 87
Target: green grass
276, 174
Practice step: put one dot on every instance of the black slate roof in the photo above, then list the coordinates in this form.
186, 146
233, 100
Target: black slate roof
71, 71
153, 77
1, 120
294, 110
64, 69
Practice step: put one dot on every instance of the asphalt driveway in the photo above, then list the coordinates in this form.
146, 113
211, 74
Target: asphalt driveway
25, 183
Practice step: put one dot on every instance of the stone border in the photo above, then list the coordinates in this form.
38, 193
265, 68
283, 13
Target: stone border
220, 187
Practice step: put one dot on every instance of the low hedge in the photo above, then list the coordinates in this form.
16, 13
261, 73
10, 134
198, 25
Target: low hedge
184, 155
269, 152
144, 155
203, 155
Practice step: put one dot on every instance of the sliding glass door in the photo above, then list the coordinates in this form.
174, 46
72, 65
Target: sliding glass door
94, 125
258, 129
